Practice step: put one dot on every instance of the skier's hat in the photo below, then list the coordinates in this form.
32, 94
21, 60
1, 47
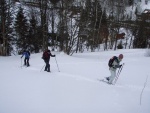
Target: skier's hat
121, 56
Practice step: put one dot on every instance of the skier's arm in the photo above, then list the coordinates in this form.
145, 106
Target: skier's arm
116, 64
23, 54
52, 55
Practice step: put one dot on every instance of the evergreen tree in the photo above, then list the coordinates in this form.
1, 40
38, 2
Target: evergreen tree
9, 34
141, 39
35, 39
54, 1
131, 2
5, 29
22, 32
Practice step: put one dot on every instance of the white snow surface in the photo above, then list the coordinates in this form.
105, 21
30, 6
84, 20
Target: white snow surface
76, 88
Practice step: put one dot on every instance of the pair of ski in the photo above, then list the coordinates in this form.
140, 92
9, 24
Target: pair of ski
105, 81
24, 66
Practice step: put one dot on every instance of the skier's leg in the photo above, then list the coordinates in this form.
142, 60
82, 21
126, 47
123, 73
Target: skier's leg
25, 61
112, 77
48, 67
45, 66
28, 62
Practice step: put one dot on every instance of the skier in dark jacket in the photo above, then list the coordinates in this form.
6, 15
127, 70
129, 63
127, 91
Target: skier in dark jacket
46, 57
27, 57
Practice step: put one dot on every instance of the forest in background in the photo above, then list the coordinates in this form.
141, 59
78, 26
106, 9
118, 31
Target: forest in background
71, 26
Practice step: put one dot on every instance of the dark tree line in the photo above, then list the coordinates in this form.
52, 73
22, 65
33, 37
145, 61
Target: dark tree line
72, 26
5, 28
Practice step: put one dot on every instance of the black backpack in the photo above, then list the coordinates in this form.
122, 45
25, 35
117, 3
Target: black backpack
110, 62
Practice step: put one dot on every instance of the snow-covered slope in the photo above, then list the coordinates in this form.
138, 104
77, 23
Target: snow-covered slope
76, 88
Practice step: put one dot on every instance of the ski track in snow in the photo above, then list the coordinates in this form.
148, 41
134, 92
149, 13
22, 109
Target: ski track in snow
81, 78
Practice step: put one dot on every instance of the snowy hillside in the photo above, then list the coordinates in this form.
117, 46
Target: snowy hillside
76, 88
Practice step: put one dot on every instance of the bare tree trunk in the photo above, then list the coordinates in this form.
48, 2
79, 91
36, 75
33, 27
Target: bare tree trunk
94, 29
115, 42
4, 51
131, 42
3, 28
43, 12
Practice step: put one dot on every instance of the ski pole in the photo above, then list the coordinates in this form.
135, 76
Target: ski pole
116, 78
57, 64
42, 68
119, 71
21, 62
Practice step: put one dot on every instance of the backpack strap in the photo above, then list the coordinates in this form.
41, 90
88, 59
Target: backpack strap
116, 59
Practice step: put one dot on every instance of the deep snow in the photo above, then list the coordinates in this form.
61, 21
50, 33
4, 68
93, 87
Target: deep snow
76, 88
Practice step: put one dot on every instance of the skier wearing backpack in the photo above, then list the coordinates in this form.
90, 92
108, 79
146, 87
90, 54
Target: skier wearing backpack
27, 57
46, 57
114, 63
